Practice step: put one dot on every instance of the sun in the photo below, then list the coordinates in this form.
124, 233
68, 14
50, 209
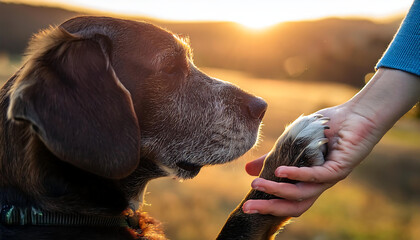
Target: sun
259, 23
256, 25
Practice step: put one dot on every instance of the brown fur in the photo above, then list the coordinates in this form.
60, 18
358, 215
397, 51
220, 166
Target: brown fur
100, 107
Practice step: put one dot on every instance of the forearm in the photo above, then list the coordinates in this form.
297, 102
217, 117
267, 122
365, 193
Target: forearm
391, 93
387, 97
404, 51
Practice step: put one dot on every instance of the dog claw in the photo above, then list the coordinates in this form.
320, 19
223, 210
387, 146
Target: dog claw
323, 141
303, 143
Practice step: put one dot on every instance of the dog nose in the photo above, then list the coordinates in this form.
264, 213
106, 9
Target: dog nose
256, 107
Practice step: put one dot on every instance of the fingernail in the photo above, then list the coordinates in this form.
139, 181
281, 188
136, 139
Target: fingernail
280, 174
255, 185
258, 188
249, 211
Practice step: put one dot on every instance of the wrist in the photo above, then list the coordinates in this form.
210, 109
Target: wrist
387, 97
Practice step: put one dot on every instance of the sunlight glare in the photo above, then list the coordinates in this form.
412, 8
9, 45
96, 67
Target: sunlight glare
249, 13
256, 24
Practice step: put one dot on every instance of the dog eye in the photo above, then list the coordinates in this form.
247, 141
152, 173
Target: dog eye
175, 66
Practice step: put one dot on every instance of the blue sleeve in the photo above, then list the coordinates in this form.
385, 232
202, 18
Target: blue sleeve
404, 51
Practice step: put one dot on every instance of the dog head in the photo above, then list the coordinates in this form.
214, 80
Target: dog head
108, 96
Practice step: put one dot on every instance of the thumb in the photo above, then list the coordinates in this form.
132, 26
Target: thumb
253, 168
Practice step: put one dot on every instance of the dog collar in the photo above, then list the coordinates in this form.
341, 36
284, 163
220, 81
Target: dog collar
12, 215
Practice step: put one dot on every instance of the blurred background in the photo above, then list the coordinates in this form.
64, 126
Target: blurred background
300, 56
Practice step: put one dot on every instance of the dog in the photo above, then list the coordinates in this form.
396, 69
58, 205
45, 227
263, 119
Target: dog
100, 107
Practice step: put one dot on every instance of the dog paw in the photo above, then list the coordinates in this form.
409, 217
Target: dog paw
302, 144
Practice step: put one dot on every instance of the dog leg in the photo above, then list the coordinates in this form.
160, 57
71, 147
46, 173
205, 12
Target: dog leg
301, 144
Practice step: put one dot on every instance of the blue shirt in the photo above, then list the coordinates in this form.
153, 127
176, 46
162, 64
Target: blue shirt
404, 51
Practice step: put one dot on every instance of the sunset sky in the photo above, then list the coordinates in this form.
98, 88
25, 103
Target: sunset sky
256, 14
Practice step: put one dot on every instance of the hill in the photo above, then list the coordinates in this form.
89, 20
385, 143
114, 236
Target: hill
339, 50
19, 22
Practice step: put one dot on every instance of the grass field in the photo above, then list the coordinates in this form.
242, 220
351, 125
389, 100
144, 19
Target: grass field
380, 200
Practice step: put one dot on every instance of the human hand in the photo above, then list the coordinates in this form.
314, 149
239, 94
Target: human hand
355, 128
351, 138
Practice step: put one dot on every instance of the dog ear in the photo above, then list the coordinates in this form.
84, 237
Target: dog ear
69, 93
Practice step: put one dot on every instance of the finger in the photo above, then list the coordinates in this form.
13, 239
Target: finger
316, 174
253, 168
278, 207
297, 192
